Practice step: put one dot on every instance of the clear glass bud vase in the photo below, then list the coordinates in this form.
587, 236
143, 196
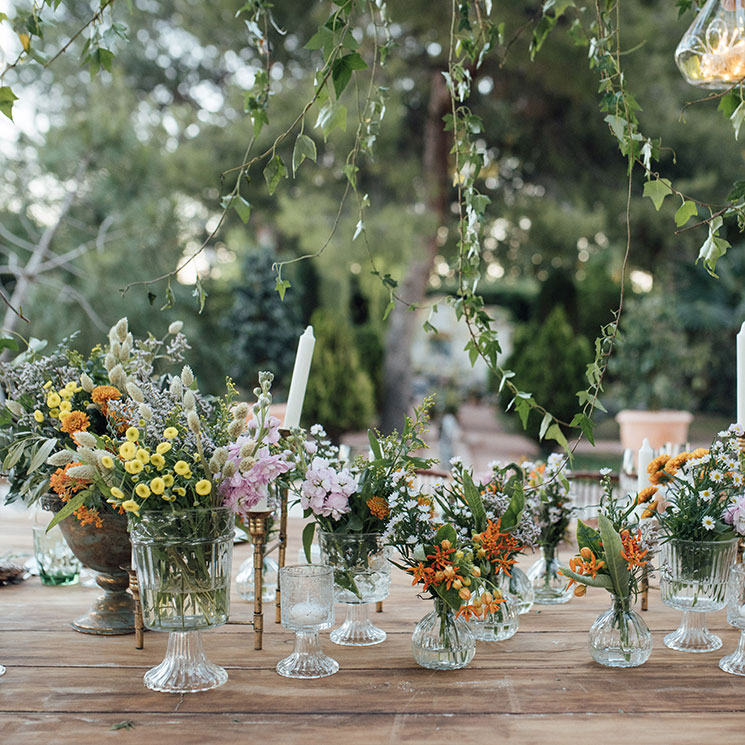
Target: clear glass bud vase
521, 589
503, 623
619, 637
693, 579
549, 586
442, 641
183, 563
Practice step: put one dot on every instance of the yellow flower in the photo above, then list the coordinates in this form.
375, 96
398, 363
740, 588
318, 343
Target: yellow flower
38, 416
132, 434
142, 491
168, 479
53, 400
163, 448
131, 506
67, 395
107, 461
54, 413
65, 406
143, 456
180, 491
71, 386
127, 450
158, 461
169, 497
62, 414
47, 385
181, 467
157, 485
170, 432
203, 487
133, 466
117, 493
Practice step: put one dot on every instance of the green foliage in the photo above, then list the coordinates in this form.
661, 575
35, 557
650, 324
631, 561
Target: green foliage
652, 365
265, 328
550, 360
340, 393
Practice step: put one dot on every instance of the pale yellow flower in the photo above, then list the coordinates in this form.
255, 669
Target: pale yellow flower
142, 491
181, 467
131, 506
132, 434
133, 466
157, 485
143, 456
203, 487
117, 493
127, 450
170, 432
107, 461
53, 400
163, 448
38, 416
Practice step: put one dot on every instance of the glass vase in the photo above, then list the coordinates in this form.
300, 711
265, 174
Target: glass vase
521, 589
693, 579
735, 663
244, 579
549, 586
619, 637
362, 575
441, 641
307, 605
183, 562
503, 623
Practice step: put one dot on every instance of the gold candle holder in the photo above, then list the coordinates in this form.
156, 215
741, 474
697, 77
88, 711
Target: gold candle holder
134, 588
645, 588
257, 529
282, 543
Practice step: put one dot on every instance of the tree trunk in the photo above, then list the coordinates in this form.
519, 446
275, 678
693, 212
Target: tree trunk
397, 379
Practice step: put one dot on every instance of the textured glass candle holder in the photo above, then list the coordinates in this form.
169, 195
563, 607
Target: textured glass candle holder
693, 579
183, 562
735, 663
362, 575
56, 562
307, 606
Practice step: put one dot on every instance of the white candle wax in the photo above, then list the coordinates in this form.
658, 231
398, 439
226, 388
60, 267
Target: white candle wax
299, 381
644, 458
308, 614
741, 375
261, 506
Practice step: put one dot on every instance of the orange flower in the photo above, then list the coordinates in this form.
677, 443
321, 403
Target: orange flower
378, 507
66, 486
646, 494
102, 394
586, 564
676, 462
423, 574
88, 516
498, 546
440, 557
700, 452
657, 463
632, 551
75, 421
468, 612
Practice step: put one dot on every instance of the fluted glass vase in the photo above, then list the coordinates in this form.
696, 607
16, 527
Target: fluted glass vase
620, 637
442, 641
735, 663
521, 589
549, 586
503, 623
362, 575
693, 579
183, 561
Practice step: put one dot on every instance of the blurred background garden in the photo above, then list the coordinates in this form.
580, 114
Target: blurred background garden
118, 178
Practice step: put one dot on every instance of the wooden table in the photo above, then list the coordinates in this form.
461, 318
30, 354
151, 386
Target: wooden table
539, 687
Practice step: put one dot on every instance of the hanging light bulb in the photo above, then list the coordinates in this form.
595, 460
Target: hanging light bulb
711, 53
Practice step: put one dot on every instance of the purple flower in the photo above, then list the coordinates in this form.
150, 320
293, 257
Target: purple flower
326, 491
734, 515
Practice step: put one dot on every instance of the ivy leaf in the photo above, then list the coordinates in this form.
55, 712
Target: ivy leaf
388, 308
554, 433
544, 425
275, 171
8, 343
200, 294
737, 118
657, 190
584, 422
7, 97
239, 204
281, 286
304, 148
342, 69
729, 103
618, 125
331, 116
685, 212
713, 248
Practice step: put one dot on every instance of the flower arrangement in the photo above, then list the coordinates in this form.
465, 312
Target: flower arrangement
547, 495
698, 495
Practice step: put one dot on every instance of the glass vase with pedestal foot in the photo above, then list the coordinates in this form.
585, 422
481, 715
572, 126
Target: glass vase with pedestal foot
735, 663
693, 579
362, 575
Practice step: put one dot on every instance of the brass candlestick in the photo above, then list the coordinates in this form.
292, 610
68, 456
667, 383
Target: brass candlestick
134, 588
645, 588
282, 542
257, 524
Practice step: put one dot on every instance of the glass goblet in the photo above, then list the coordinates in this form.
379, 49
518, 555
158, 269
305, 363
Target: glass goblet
307, 605
735, 663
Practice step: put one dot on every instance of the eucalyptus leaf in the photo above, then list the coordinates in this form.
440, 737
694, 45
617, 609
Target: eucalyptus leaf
41, 454
612, 548
309, 532
69, 508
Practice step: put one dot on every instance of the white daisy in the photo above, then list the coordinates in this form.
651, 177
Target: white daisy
605, 471
708, 522
706, 494
737, 479
716, 476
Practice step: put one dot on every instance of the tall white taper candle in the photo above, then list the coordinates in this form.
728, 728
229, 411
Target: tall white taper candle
741, 375
299, 382
644, 458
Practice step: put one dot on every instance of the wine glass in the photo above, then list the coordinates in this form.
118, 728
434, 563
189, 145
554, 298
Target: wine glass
735, 663
307, 605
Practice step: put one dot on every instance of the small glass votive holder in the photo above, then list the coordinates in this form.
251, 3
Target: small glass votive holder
735, 663
56, 562
307, 605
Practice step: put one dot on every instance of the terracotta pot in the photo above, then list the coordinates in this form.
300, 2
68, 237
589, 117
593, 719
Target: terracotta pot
108, 552
659, 427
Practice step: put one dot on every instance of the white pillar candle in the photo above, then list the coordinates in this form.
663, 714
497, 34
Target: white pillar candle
261, 506
643, 459
741, 375
308, 614
299, 381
